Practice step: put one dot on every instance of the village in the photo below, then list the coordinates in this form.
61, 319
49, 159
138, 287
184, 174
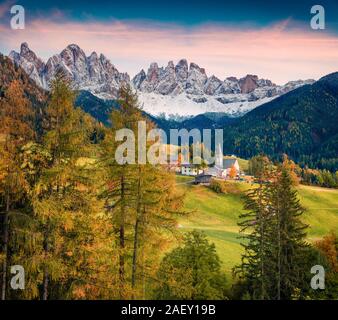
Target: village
225, 167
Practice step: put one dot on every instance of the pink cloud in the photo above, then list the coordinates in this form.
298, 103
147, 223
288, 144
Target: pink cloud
281, 53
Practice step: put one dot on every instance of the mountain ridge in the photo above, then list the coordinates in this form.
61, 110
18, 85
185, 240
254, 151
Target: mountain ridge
183, 89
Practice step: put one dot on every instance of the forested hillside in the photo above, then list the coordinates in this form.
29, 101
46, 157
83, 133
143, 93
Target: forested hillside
302, 124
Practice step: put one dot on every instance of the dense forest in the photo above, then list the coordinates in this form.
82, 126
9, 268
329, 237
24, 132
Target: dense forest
301, 124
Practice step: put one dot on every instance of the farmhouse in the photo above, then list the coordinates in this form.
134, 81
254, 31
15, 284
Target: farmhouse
203, 179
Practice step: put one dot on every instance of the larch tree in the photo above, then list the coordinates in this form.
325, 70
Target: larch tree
233, 172
74, 230
17, 122
140, 197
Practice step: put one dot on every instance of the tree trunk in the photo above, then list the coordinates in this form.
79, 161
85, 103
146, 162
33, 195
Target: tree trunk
46, 274
136, 231
279, 251
122, 236
5, 251
262, 260
133, 277
262, 242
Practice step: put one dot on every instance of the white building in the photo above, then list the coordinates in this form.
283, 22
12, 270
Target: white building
190, 170
222, 167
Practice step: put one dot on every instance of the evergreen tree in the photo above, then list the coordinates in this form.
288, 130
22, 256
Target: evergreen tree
272, 266
256, 228
289, 235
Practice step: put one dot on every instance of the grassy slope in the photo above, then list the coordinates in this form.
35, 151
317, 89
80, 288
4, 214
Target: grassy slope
217, 215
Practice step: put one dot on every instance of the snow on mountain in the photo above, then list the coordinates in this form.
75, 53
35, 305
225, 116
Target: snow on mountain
187, 90
173, 105
28, 60
183, 89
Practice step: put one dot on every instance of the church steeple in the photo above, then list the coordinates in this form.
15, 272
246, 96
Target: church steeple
219, 157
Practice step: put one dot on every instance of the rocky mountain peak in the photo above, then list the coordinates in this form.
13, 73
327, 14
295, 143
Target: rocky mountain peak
94, 73
28, 60
24, 49
170, 65
194, 66
72, 53
233, 79
30, 56
94, 56
181, 70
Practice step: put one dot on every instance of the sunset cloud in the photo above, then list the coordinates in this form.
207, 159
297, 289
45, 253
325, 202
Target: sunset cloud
281, 52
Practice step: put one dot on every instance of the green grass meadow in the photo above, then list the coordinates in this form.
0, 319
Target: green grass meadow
217, 215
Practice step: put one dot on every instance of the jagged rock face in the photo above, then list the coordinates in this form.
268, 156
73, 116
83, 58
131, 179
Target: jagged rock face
196, 80
212, 85
193, 80
184, 87
181, 70
28, 60
139, 78
187, 89
94, 73
248, 83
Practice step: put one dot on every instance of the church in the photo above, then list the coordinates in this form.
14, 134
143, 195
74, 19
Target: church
223, 166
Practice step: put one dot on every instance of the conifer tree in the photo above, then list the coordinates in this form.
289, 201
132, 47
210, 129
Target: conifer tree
140, 197
65, 204
289, 235
16, 118
256, 228
272, 265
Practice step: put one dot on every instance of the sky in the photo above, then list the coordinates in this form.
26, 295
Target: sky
272, 39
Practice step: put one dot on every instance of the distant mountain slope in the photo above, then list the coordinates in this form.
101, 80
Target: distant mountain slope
301, 123
10, 72
100, 110
38, 97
